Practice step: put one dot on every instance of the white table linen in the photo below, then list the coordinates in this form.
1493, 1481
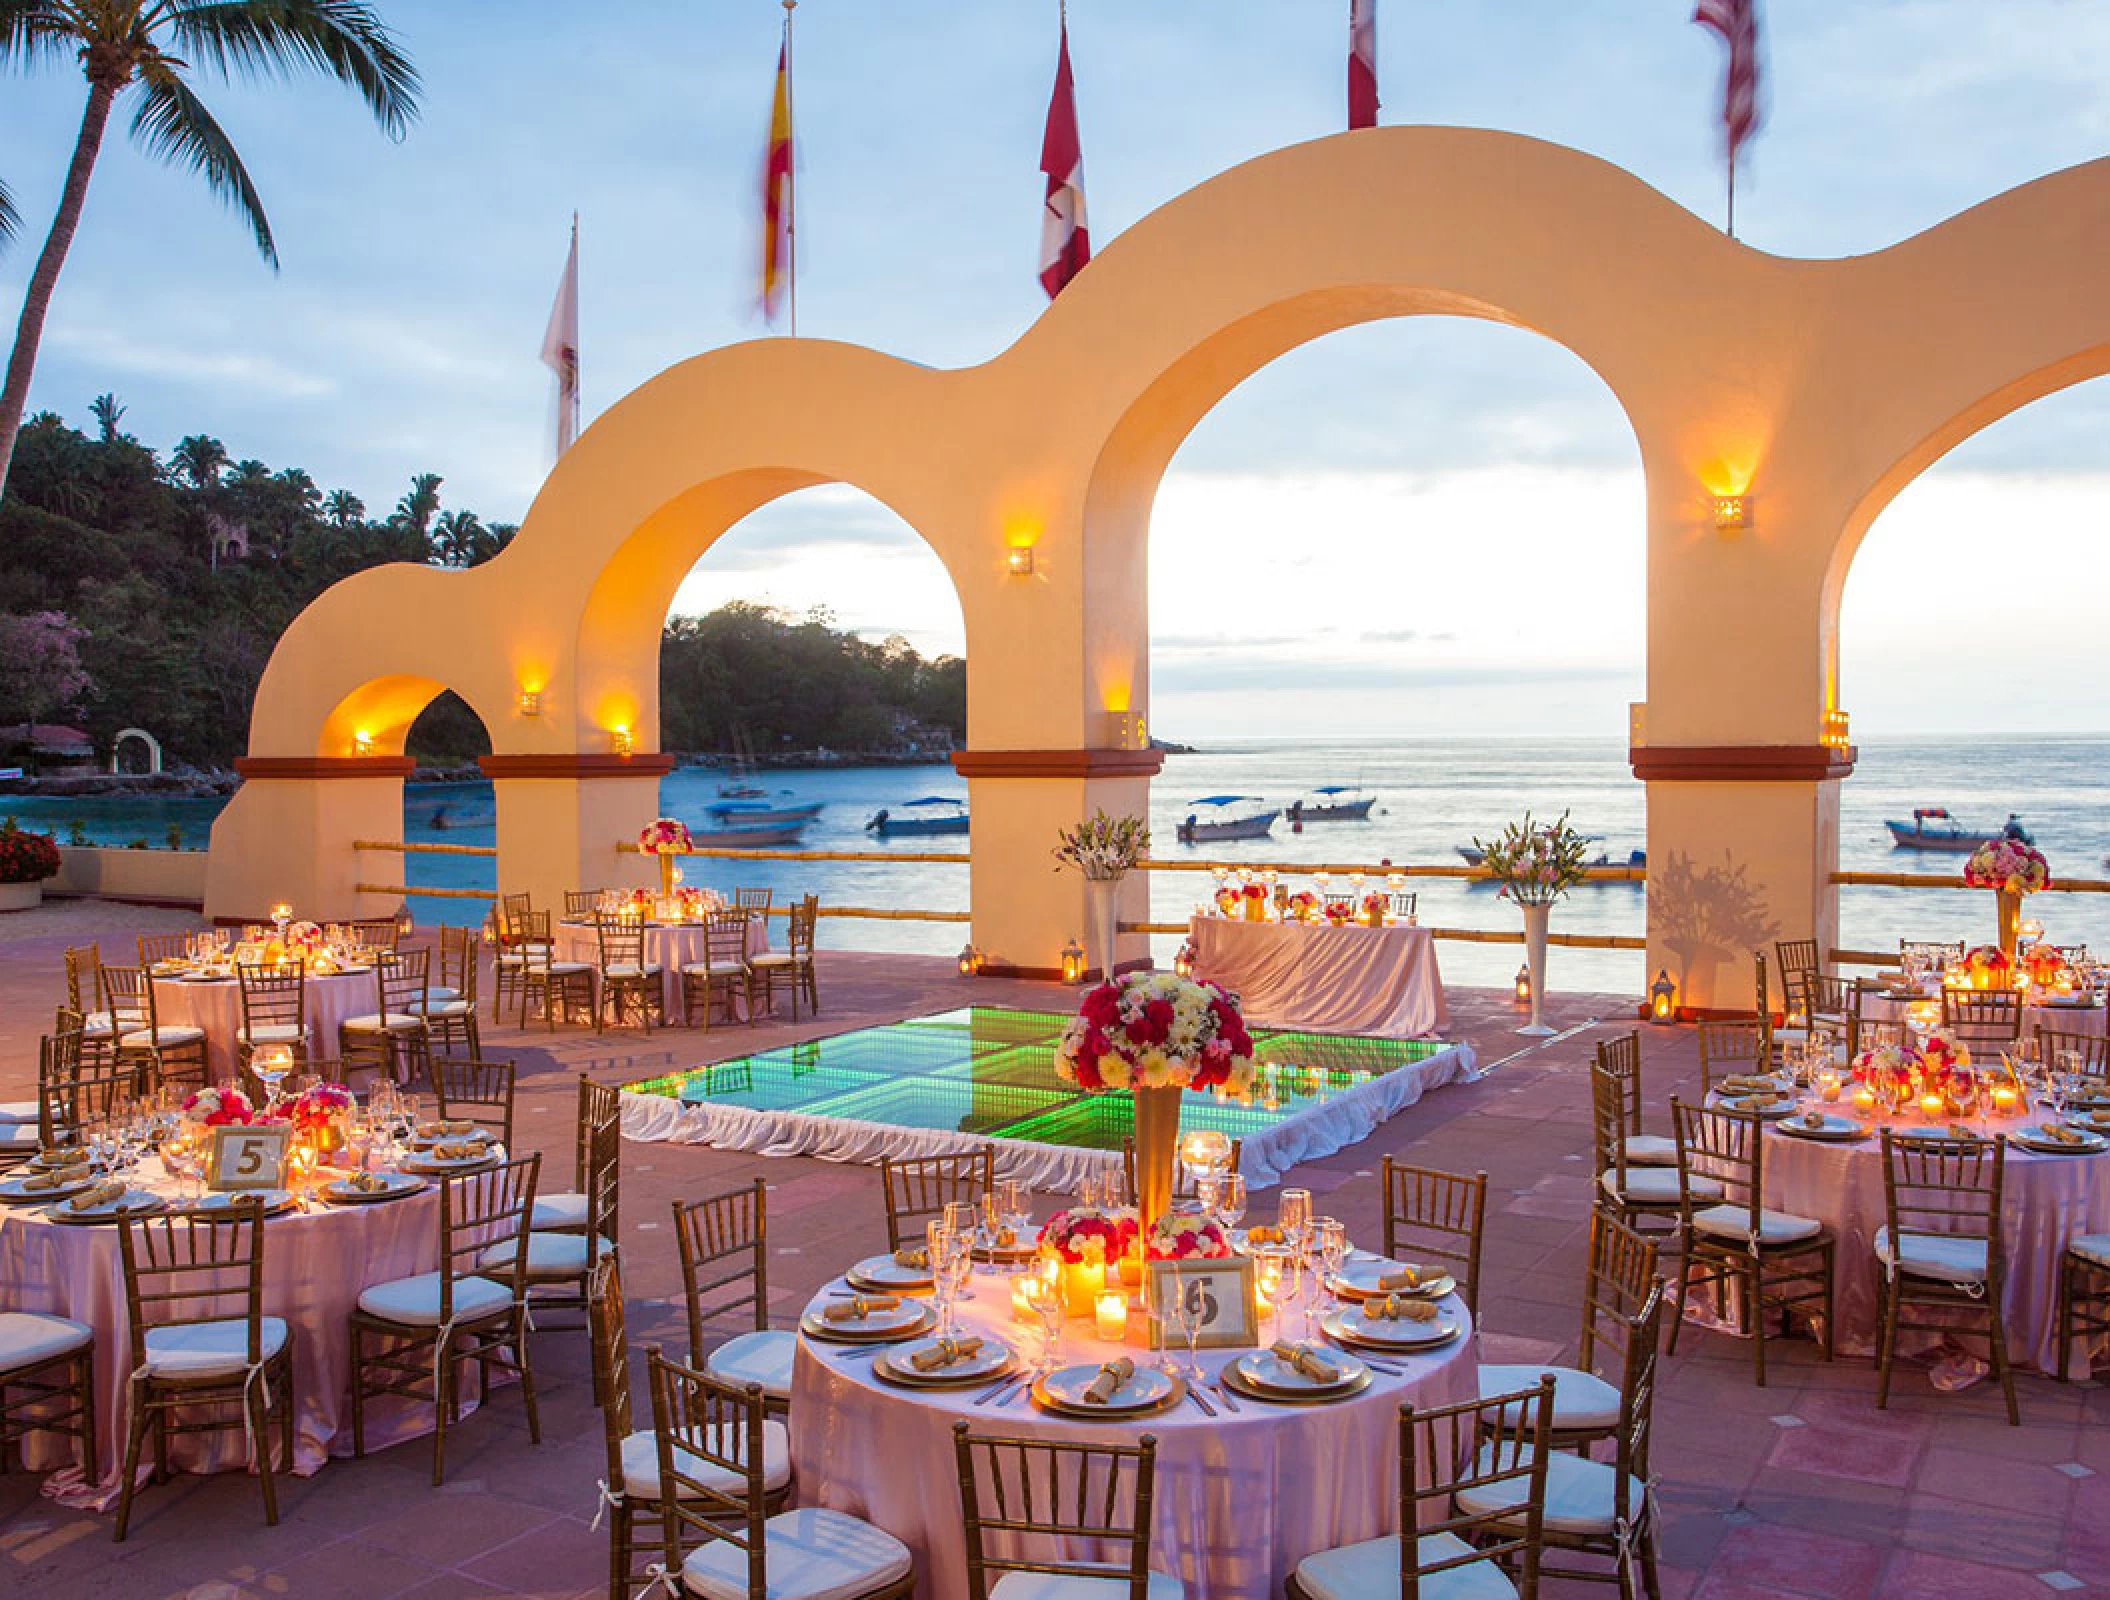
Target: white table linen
1381, 982
2088, 1019
1241, 1497
670, 946
215, 1004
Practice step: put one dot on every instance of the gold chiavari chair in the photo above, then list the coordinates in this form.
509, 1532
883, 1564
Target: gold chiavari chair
411, 1335
791, 966
74, 1089
755, 902
1865, 1032
1798, 959
510, 958
47, 1383
627, 981
449, 1009
391, 1039
2083, 1306
170, 1052
563, 987
1432, 1215
1940, 1249
920, 1187
155, 948
376, 933
1027, 1503
1729, 1049
1186, 1179
474, 1091
1986, 1021
1646, 1198
2090, 1051
725, 1277
1778, 1035
84, 992
274, 1009
1607, 1508
1478, 1513
1622, 1058
194, 1303
560, 1266
1621, 1274
1780, 1261
723, 975
582, 903
565, 1211
716, 1528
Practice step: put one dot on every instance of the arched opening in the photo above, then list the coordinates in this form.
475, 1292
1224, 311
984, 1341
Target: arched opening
1433, 592
1953, 704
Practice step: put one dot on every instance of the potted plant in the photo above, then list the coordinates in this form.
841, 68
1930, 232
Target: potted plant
1105, 849
1535, 863
26, 860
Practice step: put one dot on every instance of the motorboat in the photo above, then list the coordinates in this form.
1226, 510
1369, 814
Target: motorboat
934, 813
1333, 802
755, 812
1932, 828
745, 836
1226, 816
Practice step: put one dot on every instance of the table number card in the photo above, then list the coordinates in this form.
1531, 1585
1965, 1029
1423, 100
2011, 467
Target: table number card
248, 1156
1229, 1297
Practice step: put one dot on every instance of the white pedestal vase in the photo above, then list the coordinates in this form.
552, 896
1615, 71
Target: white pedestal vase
1535, 920
1102, 900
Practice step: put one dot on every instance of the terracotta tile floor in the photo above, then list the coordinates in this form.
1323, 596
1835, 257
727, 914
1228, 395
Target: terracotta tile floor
1801, 1489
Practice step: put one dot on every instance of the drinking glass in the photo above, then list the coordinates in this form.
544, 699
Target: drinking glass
1330, 1245
1208, 1191
1230, 1201
1296, 1215
1045, 1298
1190, 1310
1012, 1206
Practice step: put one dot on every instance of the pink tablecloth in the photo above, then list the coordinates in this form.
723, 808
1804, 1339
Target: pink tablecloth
2059, 1018
671, 947
1241, 1497
1381, 982
215, 1005
315, 1264
2048, 1200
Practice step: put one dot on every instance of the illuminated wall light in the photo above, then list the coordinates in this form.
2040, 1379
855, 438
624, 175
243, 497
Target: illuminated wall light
1838, 730
1126, 730
622, 740
362, 743
1732, 513
531, 702
1018, 561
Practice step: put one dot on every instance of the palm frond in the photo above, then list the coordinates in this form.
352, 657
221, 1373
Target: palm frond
342, 39
173, 125
31, 30
10, 218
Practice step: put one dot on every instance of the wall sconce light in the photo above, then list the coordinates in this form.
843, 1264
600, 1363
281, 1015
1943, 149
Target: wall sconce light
1018, 560
1732, 513
1524, 988
1072, 962
362, 743
1125, 730
1838, 732
531, 702
622, 740
1663, 999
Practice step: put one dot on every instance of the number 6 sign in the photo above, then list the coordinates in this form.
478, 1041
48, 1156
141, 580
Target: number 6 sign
1225, 1289
248, 1156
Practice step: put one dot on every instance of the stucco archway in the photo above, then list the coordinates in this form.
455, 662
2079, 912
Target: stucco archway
117, 748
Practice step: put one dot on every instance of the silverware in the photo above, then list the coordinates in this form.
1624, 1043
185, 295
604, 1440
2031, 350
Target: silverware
1001, 1392
1225, 1396
1194, 1393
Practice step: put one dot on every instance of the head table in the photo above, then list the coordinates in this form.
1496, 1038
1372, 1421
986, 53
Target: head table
1379, 981
1241, 1497
214, 1004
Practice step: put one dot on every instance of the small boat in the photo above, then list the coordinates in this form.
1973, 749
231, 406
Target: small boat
1932, 828
745, 838
1333, 802
934, 813
759, 813
1226, 816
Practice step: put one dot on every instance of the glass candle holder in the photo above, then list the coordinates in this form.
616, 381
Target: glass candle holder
1110, 1313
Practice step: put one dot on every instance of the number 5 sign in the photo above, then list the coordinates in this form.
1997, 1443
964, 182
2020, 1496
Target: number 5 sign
1225, 1291
248, 1156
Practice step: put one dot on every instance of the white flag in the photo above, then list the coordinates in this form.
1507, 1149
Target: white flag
560, 345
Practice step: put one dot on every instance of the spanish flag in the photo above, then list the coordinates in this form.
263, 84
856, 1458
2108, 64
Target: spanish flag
776, 191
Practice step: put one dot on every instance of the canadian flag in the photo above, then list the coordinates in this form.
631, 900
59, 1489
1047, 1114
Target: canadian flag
1065, 241
1362, 64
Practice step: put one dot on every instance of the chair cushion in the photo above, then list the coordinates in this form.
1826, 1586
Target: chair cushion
1651, 1150
16, 1136
1774, 1227
1370, 1569
274, 1033
166, 1037
813, 1554
17, 1111
2093, 1248
559, 969
557, 1213
1655, 1186
1077, 1586
722, 969
550, 1255
1580, 1399
377, 1022
416, 1301
438, 992
100, 1025
763, 1358
630, 969
778, 958
641, 1462
209, 1349
29, 1339
1579, 1494
1935, 1255
441, 1010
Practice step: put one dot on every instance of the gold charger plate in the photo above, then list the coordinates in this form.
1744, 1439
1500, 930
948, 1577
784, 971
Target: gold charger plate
1433, 1288
815, 1327
137, 1203
1055, 1406
1231, 1378
904, 1376
1442, 1332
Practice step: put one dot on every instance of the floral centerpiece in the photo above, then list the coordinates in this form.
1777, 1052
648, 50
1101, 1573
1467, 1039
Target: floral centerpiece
2011, 869
1183, 1238
1987, 966
1306, 906
303, 939
1105, 849
1942, 1057
1536, 863
1375, 909
696, 905
1230, 901
26, 860
1089, 1243
221, 1107
318, 1116
2045, 964
666, 838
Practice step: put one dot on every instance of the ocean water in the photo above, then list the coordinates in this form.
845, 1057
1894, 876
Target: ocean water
1433, 795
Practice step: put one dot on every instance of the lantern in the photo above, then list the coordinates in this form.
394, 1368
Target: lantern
1072, 962
970, 961
1663, 999
1524, 987
1183, 960
406, 924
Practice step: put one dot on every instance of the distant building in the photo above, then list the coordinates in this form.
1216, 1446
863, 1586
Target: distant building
55, 748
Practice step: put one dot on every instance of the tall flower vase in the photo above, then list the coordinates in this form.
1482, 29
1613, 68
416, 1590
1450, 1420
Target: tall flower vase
1157, 1142
1102, 900
1535, 920
666, 876
2010, 919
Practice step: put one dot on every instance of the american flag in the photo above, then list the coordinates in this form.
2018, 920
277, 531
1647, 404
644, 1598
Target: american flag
1737, 22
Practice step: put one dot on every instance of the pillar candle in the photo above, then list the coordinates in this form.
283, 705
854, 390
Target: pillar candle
1112, 1312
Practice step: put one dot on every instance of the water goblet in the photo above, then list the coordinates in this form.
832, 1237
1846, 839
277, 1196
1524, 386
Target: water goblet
1045, 1299
1296, 1215
1230, 1201
1208, 1191
1189, 1315
1330, 1245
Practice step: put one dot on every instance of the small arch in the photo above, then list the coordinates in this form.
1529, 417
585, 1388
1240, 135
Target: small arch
153, 748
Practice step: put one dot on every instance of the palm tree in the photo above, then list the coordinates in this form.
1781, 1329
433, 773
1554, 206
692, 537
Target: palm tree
108, 413
416, 509
10, 219
155, 45
344, 509
199, 459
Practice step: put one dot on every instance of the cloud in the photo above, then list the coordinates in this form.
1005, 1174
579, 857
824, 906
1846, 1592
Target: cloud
119, 355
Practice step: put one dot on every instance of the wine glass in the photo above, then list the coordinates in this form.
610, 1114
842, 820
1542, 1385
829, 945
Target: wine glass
1189, 1314
1045, 1299
1330, 1244
1230, 1201
1296, 1215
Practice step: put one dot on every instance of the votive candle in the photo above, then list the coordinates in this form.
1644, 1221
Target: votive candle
1111, 1310
1828, 1086
1932, 1106
1865, 1102
2005, 1100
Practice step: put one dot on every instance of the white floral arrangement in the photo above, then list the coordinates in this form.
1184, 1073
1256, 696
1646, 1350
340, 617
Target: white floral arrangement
1105, 849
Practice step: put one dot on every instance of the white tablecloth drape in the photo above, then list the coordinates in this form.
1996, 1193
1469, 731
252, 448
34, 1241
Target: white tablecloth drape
2059, 1018
1381, 982
215, 1004
672, 947
1241, 1497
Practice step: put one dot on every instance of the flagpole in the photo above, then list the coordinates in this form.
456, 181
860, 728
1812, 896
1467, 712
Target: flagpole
575, 365
791, 182
1732, 197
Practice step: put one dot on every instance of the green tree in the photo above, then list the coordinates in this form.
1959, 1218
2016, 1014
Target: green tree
108, 413
416, 509
199, 460
344, 510
10, 218
155, 47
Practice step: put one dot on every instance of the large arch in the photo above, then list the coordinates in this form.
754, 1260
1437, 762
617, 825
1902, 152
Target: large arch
1805, 385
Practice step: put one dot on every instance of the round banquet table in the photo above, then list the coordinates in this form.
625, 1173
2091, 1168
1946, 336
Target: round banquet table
215, 1004
1241, 1497
316, 1261
2061, 1018
2048, 1199
670, 946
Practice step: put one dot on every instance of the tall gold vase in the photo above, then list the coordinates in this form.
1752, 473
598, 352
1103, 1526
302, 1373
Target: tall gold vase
2010, 919
1157, 1146
666, 876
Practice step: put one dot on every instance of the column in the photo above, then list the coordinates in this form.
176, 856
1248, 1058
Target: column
561, 818
287, 835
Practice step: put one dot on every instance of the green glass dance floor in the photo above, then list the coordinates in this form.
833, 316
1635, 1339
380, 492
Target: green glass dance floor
991, 1071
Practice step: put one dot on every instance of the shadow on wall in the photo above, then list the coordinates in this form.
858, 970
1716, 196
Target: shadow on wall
1708, 916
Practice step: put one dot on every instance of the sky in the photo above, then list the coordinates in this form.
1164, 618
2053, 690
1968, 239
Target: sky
1350, 507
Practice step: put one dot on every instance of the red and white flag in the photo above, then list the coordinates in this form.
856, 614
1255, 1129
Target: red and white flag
1737, 22
1362, 64
1065, 241
777, 238
560, 345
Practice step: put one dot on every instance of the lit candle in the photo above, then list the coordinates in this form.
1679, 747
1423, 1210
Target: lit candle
1112, 1315
1828, 1086
1865, 1102
2006, 1100
1931, 1107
